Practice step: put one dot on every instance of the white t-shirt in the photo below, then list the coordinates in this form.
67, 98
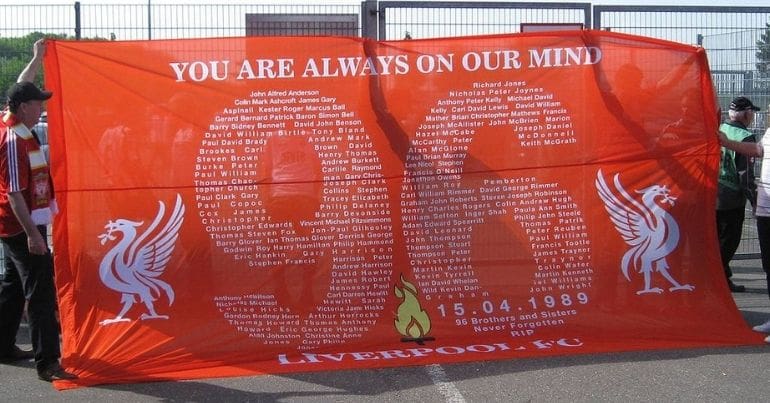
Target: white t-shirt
763, 184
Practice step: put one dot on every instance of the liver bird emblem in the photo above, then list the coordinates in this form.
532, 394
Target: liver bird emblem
649, 230
133, 266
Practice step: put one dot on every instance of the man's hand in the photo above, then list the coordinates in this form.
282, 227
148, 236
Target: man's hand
38, 49
36, 244
31, 69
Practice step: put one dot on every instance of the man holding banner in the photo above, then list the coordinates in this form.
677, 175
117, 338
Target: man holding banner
763, 199
735, 182
26, 208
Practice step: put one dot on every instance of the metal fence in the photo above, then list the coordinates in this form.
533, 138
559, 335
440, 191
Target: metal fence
428, 19
729, 34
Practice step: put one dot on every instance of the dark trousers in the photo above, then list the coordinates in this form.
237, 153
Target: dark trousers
763, 232
729, 232
29, 277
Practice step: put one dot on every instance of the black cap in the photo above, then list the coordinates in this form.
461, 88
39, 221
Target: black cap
742, 104
26, 91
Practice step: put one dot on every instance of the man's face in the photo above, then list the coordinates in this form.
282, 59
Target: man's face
29, 112
749, 117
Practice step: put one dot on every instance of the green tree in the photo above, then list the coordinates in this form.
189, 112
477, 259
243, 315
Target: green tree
763, 51
15, 53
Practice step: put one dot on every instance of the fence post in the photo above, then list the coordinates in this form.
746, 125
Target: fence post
369, 19
748, 82
149, 19
77, 20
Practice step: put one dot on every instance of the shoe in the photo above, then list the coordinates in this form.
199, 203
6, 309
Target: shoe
17, 354
763, 328
55, 373
735, 287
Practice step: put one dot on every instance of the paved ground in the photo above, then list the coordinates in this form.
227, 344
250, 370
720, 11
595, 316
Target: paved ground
713, 375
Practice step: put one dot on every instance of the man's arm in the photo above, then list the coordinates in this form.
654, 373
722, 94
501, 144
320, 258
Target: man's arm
749, 149
30, 71
37, 245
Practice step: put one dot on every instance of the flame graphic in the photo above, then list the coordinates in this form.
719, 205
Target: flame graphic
411, 320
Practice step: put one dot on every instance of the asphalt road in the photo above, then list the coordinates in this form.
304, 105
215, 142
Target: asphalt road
737, 374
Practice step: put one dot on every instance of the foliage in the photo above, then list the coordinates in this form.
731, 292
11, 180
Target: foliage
763, 51
15, 53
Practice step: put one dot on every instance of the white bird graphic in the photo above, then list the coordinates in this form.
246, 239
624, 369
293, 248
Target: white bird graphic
649, 230
133, 265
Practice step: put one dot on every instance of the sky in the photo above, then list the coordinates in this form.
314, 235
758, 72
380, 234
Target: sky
399, 23
760, 3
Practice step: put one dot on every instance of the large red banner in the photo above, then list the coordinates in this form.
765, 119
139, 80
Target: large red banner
265, 205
